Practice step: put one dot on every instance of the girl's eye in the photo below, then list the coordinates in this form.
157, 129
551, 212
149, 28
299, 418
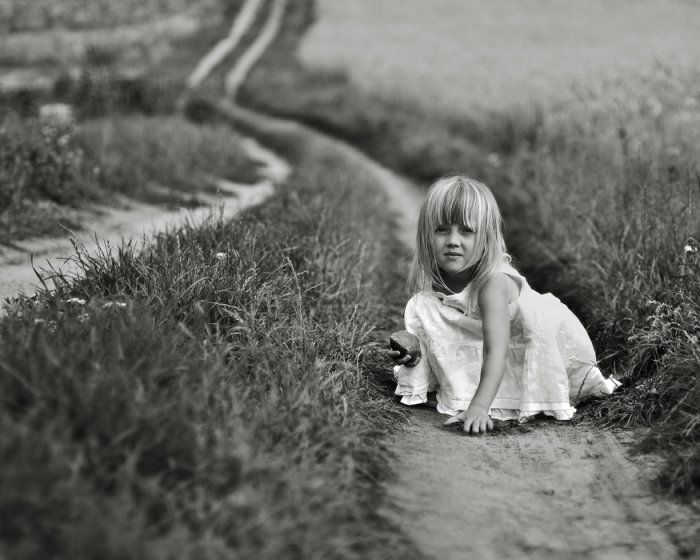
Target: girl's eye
441, 229
466, 229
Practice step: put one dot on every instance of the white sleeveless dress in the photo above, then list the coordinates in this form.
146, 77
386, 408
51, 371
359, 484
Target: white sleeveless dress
550, 361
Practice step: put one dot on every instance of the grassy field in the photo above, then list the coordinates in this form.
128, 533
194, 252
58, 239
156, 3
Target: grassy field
51, 170
123, 139
599, 191
41, 15
462, 55
221, 394
218, 394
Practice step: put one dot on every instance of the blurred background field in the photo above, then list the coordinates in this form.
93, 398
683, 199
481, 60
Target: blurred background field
458, 55
107, 75
42, 40
42, 15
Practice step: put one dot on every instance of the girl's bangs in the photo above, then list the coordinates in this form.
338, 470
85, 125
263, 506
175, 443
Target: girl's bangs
453, 206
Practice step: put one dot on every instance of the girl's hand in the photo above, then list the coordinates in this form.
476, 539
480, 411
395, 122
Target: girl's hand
403, 359
476, 419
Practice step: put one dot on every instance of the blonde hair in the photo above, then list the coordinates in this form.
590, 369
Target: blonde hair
458, 199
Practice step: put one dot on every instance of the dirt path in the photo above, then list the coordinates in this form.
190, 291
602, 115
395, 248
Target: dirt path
544, 491
138, 221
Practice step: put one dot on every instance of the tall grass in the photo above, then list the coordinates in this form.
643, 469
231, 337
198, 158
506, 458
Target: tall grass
599, 196
50, 170
43, 173
163, 159
215, 395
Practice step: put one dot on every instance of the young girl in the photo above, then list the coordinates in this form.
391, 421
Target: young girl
491, 346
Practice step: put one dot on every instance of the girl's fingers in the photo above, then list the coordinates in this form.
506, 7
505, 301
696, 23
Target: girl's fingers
468, 425
453, 420
489, 424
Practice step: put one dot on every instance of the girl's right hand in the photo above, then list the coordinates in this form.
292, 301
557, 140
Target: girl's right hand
403, 359
476, 419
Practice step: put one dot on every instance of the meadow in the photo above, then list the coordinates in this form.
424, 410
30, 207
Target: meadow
41, 15
53, 171
598, 185
219, 393
121, 138
462, 56
223, 393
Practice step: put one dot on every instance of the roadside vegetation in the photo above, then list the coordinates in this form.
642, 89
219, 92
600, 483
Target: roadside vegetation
600, 202
51, 170
118, 136
218, 394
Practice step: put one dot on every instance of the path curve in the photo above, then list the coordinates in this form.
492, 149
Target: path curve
138, 221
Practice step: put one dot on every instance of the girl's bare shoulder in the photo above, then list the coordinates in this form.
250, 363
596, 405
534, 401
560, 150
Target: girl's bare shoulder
499, 288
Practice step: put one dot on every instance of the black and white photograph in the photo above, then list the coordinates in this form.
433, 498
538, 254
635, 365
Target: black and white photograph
349, 279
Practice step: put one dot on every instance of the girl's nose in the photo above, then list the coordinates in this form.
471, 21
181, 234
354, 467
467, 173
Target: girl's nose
453, 239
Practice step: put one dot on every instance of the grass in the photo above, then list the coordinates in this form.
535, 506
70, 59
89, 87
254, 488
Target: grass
463, 56
218, 394
42, 15
126, 142
140, 156
599, 195
52, 170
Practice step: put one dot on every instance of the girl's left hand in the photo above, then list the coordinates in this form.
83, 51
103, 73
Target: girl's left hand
476, 420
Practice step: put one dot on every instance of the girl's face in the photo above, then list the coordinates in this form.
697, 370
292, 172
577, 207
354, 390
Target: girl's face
453, 247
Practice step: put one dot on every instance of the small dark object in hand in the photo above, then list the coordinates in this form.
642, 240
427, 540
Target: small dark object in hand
406, 343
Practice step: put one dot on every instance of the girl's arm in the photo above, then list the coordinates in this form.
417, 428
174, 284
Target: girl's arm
495, 319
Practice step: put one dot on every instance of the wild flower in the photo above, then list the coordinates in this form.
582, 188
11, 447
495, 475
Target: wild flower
220, 256
56, 112
110, 304
76, 301
82, 317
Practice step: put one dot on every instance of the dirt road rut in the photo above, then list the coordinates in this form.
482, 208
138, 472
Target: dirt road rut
539, 491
